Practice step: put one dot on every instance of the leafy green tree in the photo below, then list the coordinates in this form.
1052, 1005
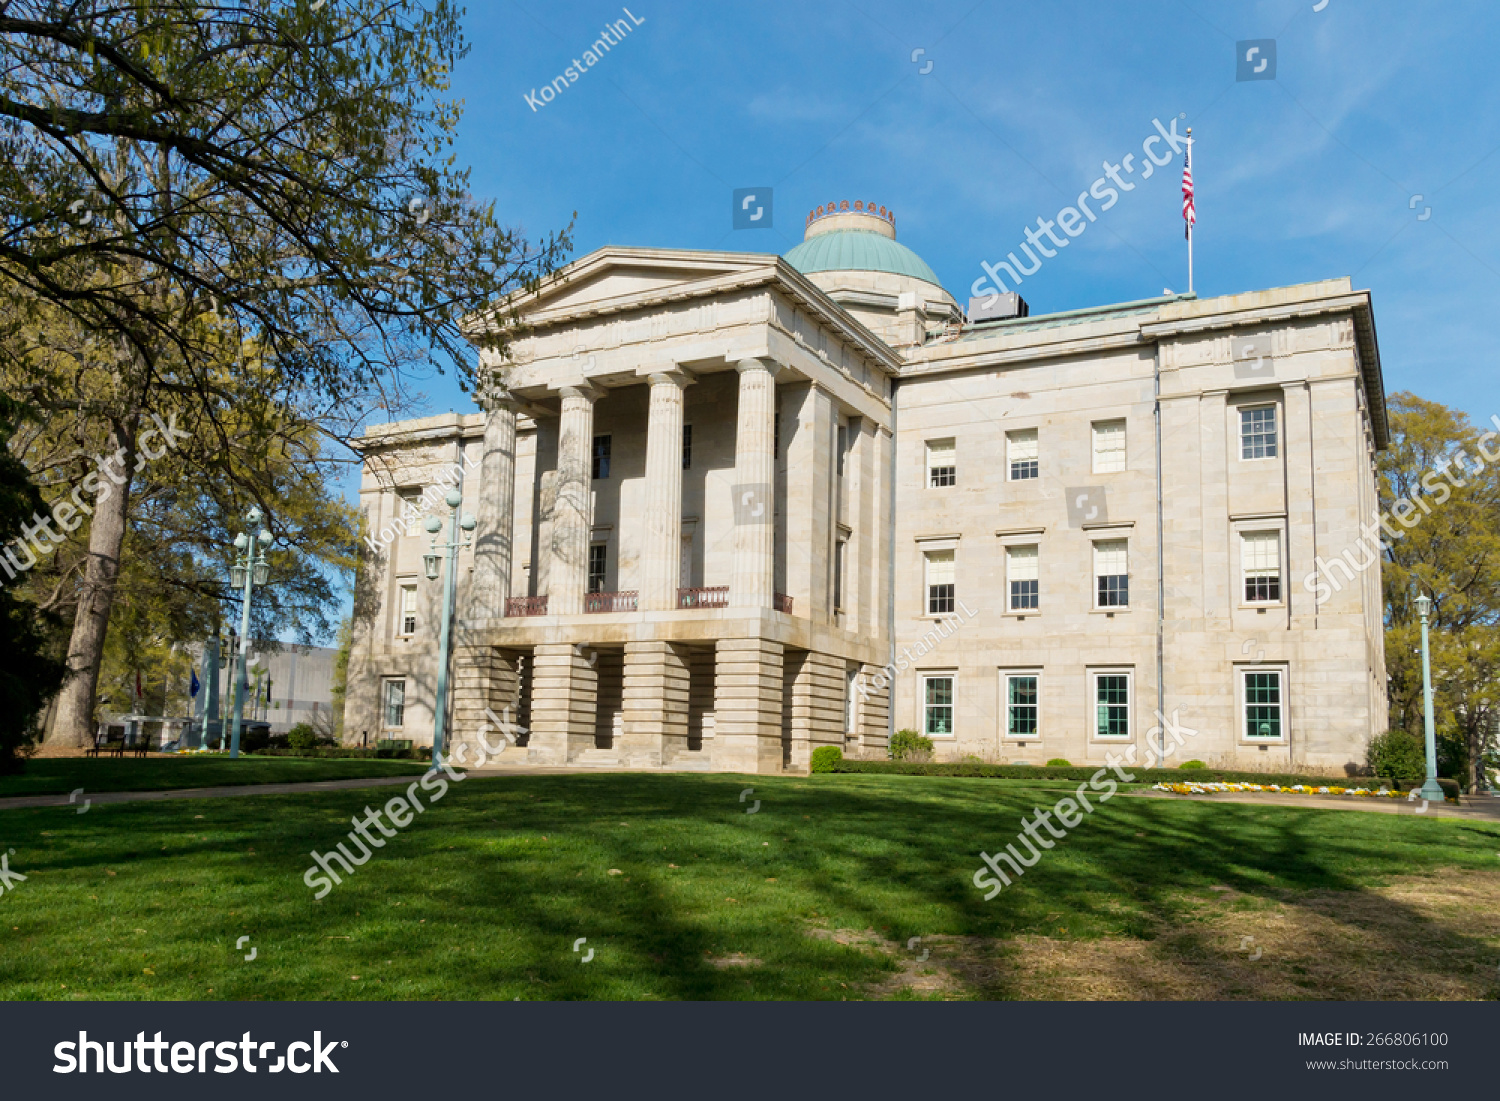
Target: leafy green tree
183, 182
1448, 546
30, 674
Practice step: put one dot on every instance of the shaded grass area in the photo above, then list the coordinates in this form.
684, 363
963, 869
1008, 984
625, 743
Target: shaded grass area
60, 775
485, 894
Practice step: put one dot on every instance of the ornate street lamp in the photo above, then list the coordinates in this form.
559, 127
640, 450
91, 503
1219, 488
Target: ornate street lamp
431, 567
250, 569
1431, 789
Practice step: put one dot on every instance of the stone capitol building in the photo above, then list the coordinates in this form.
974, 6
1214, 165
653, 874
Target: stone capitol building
732, 507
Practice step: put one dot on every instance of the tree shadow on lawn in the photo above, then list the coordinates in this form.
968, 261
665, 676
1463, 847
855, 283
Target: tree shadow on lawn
469, 902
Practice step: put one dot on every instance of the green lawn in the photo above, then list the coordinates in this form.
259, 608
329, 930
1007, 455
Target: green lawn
60, 775
484, 894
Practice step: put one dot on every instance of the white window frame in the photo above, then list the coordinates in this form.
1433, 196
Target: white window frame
1099, 453
851, 711
946, 447
1094, 574
1093, 705
1031, 435
1006, 676
1036, 555
385, 703
1275, 450
1241, 673
928, 554
1245, 536
403, 588
951, 676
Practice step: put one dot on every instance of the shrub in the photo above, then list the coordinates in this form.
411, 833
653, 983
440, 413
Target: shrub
301, 736
908, 745
1192, 764
1058, 762
826, 757
1397, 755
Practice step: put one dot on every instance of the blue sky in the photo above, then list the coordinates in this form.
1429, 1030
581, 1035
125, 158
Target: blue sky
1306, 177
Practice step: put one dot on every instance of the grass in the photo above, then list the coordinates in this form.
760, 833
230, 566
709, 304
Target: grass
60, 775
815, 896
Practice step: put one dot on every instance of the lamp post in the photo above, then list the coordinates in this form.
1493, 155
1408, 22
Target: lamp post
249, 570
1431, 789
449, 573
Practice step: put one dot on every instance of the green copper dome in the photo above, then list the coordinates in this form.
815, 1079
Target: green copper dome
859, 250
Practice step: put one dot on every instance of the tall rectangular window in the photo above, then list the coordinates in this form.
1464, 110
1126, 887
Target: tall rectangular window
408, 610
601, 457
851, 678
841, 446
1260, 561
840, 549
598, 566
410, 501
687, 447
1109, 447
1263, 704
940, 582
1023, 454
1111, 705
937, 706
395, 704
1112, 573
1258, 432
1022, 705
942, 464
1021, 572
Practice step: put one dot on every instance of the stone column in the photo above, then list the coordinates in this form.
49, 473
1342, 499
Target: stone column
661, 551
657, 682
817, 705
810, 482
564, 700
572, 512
747, 705
753, 574
495, 538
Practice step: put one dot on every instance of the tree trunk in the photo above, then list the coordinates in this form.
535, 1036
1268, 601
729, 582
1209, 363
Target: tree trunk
74, 721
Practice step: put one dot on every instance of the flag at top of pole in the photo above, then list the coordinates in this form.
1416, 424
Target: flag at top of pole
1189, 211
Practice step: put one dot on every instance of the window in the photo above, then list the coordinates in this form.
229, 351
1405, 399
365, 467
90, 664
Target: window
940, 584
1022, 713
395, 703
1109, 447
1022, 453
601, 457
408, 624
843, 443
598, 564
850, 686
937, 706
1262, 700
1021, 572
1112, 573
1111, 705
839, 550
942, 468
1260, 560
1258, 432
410, 507
687, 447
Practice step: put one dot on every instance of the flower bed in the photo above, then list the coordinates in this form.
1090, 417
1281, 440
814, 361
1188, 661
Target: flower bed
1295, 789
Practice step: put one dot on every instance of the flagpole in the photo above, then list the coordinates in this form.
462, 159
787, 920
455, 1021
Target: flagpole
1190, 224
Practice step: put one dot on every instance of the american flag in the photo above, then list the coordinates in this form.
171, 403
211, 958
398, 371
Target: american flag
1189, 214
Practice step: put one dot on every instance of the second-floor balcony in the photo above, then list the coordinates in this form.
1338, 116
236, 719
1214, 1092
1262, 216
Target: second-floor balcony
594, 603
716, 596
526, 605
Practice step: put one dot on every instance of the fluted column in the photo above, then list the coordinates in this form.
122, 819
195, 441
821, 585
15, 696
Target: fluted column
494, 541
661, 557
572, 514
754, 486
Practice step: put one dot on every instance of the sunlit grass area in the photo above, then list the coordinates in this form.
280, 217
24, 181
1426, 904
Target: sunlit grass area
682, 894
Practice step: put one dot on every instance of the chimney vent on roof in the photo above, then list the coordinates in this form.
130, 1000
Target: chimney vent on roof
997, 307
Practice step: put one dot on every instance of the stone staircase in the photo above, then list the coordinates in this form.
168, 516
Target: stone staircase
594, 757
